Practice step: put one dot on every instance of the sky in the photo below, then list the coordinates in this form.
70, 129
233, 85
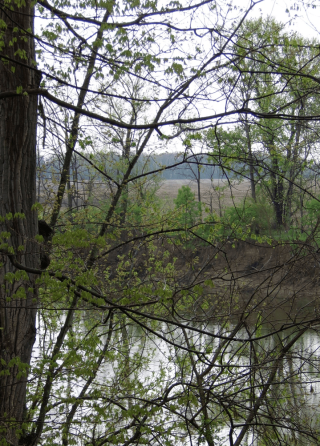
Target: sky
302, 16
297, 14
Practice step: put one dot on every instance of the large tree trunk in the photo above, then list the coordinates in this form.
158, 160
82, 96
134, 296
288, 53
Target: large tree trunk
18, 297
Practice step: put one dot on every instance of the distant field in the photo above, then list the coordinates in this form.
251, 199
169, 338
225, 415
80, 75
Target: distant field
216, 194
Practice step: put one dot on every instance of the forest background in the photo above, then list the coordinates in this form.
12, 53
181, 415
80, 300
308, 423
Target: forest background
127, 317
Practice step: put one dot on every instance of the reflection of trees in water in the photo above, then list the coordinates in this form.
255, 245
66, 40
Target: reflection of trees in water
257, 392
210, 396
202, 364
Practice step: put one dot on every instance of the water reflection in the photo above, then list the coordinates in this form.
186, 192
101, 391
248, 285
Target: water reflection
195, 386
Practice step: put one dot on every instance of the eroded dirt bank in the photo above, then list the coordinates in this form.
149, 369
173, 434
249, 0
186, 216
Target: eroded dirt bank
247, 276
228, 278
276, 285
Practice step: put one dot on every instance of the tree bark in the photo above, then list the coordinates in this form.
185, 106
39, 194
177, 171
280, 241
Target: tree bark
18, 295
278, 192
251, 162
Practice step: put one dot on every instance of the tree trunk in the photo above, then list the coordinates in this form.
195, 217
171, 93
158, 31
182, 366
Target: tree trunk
18, 296
277, 190
278, 201
251, 162
295, 170
199, 191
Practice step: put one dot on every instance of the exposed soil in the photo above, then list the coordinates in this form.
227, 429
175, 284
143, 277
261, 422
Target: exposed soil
279, 284
248, 270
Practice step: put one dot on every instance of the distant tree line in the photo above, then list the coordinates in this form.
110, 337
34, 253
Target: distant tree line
51, 166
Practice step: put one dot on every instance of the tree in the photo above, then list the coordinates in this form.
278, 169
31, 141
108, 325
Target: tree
186, 203
283, 149
103, 296
18, 292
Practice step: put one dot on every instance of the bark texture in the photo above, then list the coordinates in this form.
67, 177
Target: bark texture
18, 297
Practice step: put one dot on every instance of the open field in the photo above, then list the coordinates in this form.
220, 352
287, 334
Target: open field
216, 194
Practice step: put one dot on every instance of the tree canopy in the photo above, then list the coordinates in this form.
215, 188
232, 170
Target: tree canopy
126, 318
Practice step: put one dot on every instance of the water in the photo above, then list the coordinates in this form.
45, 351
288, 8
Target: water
184, 387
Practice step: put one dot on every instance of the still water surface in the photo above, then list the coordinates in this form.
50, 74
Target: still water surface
159, 368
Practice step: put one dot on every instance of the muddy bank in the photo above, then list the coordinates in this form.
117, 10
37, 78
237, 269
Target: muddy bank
250, 267
223, 283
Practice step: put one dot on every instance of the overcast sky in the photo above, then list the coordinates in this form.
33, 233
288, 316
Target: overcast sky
300, 17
